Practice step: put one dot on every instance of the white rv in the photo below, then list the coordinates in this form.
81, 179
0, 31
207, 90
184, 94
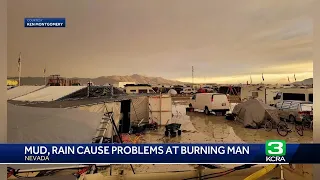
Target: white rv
295, 94
210, 102
138, 89
271, 95
262, 93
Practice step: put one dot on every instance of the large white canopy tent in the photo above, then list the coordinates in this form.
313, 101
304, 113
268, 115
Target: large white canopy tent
50, 125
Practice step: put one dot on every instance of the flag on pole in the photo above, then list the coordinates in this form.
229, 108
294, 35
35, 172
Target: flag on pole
19, 62
295, 79
288, 79
262, 77
44, 75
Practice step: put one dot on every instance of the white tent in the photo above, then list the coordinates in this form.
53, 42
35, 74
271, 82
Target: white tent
50, 125
172, 92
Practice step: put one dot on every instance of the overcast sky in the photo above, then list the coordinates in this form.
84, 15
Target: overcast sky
225, 40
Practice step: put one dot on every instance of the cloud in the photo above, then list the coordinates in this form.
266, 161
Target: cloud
163, 38
288, 68
256, 78
272, 74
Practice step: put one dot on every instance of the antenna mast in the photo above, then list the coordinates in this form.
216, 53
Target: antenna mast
192, 74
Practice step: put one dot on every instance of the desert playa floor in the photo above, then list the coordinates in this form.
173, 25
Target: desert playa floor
208, 129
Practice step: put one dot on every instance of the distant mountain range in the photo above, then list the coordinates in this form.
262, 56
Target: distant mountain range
132, 78
304, 82
105, 80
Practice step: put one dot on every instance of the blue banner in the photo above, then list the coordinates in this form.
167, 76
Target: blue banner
273, 152
45, 22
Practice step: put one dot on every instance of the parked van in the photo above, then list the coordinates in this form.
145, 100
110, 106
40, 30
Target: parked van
210, 102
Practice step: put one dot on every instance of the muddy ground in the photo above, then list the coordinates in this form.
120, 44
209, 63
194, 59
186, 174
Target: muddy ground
206, 129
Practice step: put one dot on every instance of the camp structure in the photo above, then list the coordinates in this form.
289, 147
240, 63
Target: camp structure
253, 113
160, 109
35, 94
81, 121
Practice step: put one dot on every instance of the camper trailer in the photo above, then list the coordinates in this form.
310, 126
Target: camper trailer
264, 94
122, 84
138, 89
274, 94
296, 94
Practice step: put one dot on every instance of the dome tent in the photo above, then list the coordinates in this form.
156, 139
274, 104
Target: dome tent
253, 113
172, 92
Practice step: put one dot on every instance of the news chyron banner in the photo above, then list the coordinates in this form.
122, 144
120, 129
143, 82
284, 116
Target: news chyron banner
272, 152
44, 22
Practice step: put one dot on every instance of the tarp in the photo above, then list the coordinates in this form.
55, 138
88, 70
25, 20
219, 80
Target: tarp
232, 105
180, 116
253, 113
50, 93
50, 125
21, 90
139, 109
104, 108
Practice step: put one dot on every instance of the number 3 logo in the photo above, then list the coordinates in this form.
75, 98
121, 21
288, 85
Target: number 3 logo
277, 148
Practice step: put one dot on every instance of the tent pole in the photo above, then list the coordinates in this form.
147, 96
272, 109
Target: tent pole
160, 107
265, 95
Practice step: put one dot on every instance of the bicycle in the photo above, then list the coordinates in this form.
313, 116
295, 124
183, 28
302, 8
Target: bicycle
283, 129
307, 125
299, 128
268, 126
307, 122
